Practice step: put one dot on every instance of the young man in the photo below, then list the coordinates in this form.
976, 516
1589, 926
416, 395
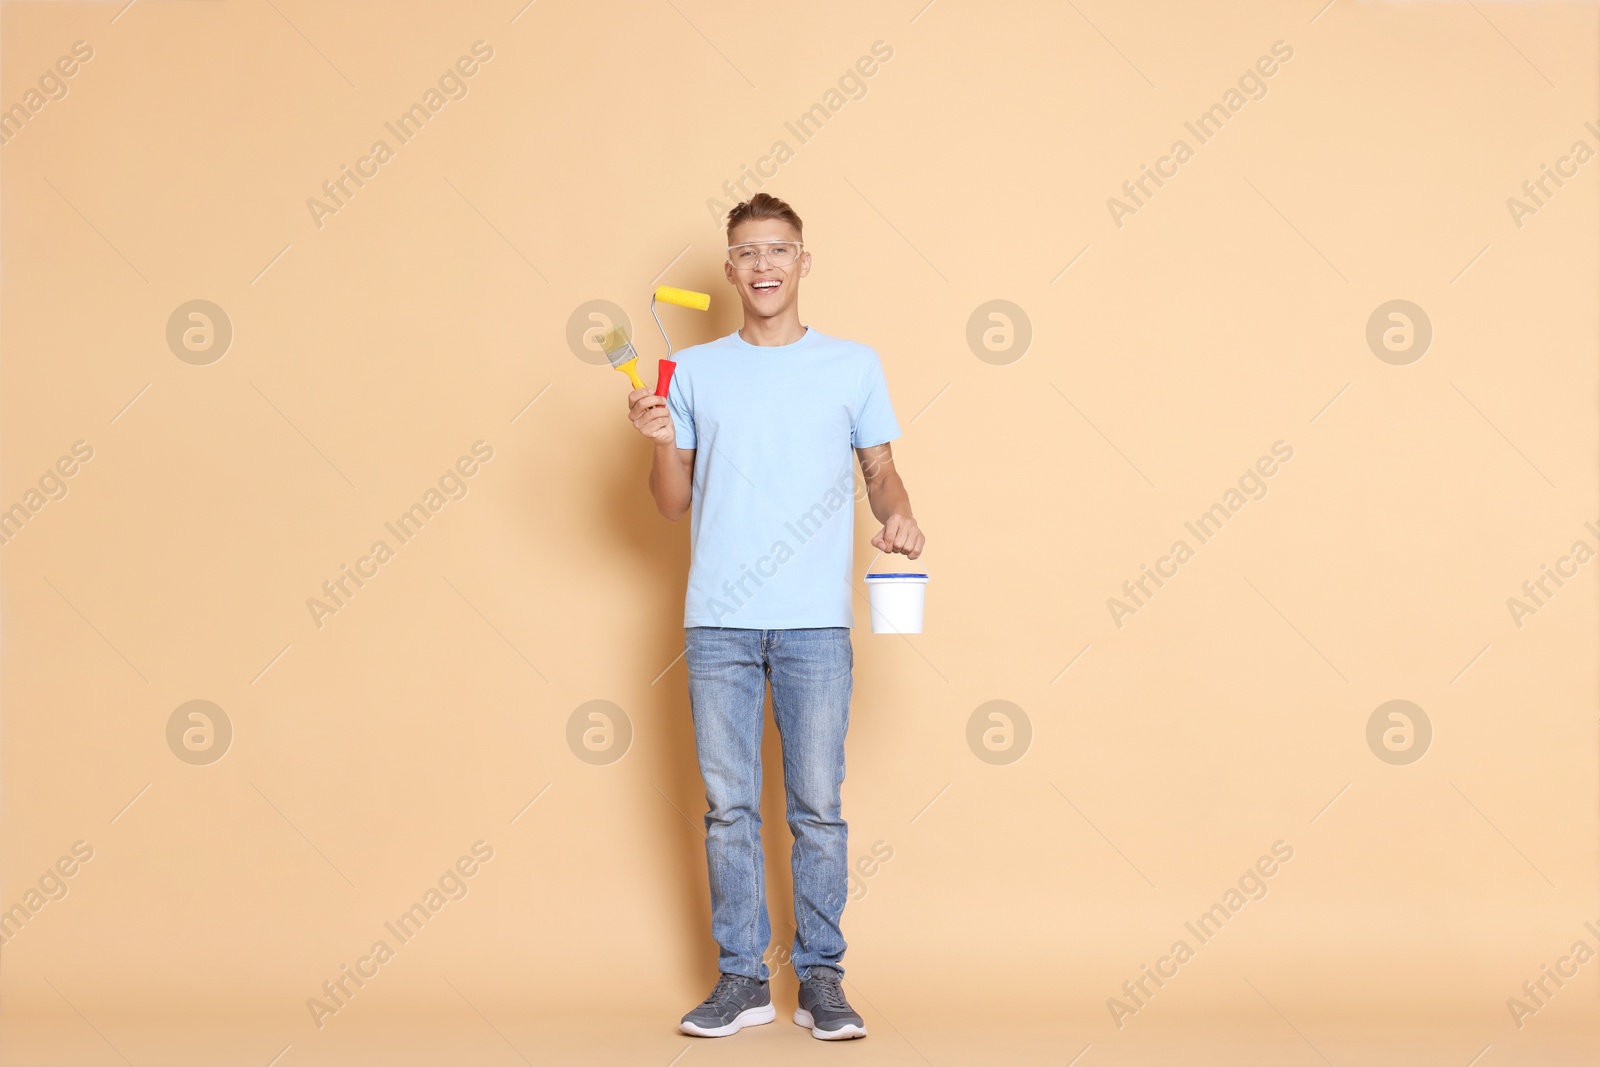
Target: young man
755, 436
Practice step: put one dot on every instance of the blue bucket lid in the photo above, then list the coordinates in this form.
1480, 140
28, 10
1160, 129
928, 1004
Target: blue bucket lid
899, 574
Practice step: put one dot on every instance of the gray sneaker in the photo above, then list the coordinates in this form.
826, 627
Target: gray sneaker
735, 1003
824, 1010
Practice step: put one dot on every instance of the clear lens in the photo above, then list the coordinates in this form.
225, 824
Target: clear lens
781, 254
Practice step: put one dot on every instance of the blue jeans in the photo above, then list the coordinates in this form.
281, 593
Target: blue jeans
810, 674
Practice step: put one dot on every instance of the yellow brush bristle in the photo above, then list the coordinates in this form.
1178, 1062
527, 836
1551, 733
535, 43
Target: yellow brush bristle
688, 298
613, 339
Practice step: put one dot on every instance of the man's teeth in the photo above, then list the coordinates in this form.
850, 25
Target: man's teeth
765, 285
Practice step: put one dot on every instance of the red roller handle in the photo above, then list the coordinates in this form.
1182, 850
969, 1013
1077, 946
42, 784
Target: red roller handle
664, 377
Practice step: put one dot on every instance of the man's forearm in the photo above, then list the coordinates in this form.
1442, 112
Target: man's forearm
887, 496
669, 481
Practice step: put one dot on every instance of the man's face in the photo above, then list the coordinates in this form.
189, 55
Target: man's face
766, 288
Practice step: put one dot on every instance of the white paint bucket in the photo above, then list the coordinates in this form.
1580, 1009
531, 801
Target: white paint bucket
896, 601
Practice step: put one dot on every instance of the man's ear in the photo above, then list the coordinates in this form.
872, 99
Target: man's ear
805, 264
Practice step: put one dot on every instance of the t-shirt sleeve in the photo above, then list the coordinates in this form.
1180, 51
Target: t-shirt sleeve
678, 403
875, 422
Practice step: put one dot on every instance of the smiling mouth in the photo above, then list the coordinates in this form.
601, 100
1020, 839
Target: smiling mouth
766, 285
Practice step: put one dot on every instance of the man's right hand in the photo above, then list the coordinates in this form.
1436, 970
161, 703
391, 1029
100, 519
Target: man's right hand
651, 417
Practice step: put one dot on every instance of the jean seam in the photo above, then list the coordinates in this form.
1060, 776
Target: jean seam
801, 910
760, 896
757, 864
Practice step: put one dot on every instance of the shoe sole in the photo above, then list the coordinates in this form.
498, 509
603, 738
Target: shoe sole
749, 1017
844, 1033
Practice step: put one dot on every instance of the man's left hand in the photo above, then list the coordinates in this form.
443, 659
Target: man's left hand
900, 534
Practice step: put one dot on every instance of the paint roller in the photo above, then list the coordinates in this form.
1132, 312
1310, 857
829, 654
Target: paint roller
688, 298
619, 349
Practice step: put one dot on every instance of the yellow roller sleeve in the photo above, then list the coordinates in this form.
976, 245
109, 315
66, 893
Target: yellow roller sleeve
666, 294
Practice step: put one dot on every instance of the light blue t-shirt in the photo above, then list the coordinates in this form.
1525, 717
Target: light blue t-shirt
772, 516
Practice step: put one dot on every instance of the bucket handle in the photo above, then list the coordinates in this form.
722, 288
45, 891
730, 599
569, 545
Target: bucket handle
875, 560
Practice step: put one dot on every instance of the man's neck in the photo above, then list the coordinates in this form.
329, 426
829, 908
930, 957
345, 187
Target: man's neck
769, 333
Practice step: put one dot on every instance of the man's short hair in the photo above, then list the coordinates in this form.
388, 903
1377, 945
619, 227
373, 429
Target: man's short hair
764, 206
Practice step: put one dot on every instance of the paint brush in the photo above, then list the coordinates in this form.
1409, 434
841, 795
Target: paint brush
620, 353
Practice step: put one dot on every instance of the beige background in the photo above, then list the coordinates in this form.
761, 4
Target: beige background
369, 353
